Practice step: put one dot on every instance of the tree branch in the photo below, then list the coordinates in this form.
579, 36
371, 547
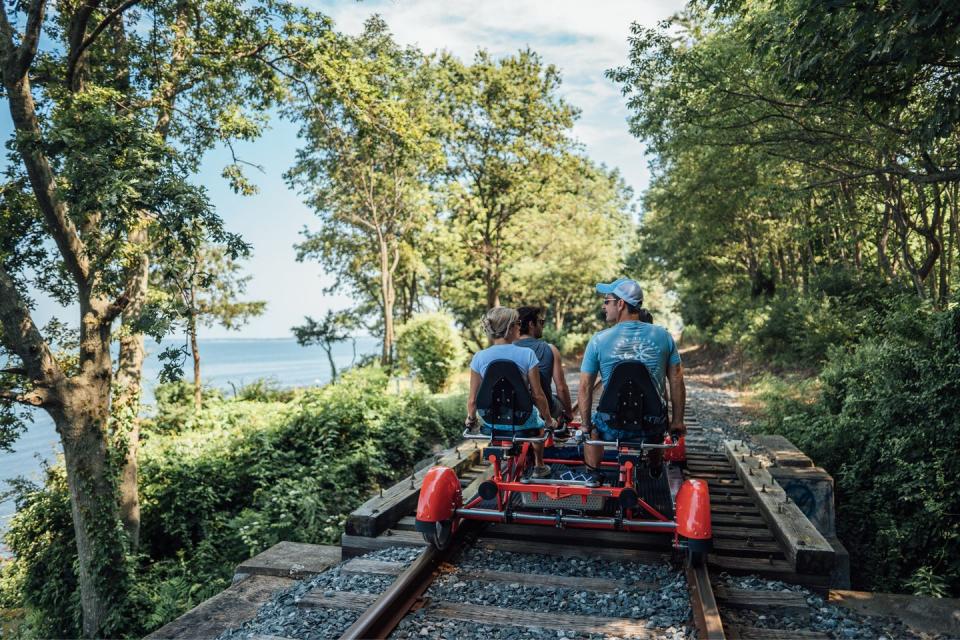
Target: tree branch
31, 37
77, 50
22, 336
34, 397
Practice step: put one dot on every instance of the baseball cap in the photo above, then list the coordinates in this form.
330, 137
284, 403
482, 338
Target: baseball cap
624, 288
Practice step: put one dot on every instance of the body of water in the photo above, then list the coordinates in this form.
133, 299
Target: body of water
224, 364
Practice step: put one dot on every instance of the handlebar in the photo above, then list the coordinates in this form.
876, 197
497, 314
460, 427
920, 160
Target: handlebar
467, 434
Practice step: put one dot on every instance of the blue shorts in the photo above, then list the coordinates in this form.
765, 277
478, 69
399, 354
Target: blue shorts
611, 434
529, 429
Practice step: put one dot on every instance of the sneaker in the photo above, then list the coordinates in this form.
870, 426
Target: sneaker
594, 479
542, 471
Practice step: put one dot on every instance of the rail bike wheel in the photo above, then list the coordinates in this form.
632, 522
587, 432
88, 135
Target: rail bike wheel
441, 535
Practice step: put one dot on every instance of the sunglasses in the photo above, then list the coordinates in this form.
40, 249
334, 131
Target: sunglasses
607, 301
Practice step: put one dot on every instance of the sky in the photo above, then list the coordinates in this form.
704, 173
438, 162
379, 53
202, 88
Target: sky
582, 38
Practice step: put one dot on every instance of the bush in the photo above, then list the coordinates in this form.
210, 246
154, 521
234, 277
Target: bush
245, 475
885, 423
429, 345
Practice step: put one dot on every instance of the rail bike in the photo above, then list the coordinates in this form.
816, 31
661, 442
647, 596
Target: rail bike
629, 497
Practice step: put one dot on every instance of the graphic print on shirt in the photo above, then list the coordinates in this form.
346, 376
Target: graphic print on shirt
631, 347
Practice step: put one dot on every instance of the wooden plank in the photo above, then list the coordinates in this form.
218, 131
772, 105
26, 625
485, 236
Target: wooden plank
293, 560
741, 521
496, 616
741, 533
775, 569
545, 581
742, 547
784, 452
337, 600
365, 565
487, 615
381, 512
227, 610
358, 545
756, 599
805, 547
758, 633
572, 551
742, 509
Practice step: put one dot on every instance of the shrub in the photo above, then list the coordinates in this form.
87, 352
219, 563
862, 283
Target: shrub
245, 475
885, 424
430, 345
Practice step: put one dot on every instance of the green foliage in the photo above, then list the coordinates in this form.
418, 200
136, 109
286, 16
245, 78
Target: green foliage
42, 579
429, 345
884, 420
226, 483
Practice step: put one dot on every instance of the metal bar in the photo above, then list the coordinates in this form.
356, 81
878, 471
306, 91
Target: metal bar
706, 614
565, 520
469, 435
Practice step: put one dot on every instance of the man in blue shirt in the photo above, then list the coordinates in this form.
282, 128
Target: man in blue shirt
628, 339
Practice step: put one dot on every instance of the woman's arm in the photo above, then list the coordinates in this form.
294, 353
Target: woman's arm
472, 399
538, 398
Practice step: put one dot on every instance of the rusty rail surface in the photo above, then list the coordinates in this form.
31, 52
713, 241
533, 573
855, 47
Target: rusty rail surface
706, 614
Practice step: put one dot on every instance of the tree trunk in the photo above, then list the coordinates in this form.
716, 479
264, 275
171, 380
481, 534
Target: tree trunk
126, 403
82, 416
328, 347
195, 350
388, 296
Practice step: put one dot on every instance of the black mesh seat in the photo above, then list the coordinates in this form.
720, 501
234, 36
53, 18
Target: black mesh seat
503, 398
632, 402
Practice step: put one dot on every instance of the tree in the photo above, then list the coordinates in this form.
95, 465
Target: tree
586, 215
796, 146
369, 153
206, 285
506, 126
335, 327
112, 106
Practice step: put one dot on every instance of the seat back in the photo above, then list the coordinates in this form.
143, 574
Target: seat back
503, 397
632, 399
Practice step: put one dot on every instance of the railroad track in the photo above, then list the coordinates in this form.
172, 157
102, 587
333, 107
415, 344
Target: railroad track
406, 595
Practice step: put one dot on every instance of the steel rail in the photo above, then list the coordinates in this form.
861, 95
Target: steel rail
706, 614
383, 616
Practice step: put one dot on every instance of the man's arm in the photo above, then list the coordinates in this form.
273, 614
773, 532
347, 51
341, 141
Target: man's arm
678, 397
539, 399
585, 399
560, 383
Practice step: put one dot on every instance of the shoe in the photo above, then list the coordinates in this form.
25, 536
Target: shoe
594, 479
542, 471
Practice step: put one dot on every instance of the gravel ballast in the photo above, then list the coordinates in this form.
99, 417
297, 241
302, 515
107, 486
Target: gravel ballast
836, 621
